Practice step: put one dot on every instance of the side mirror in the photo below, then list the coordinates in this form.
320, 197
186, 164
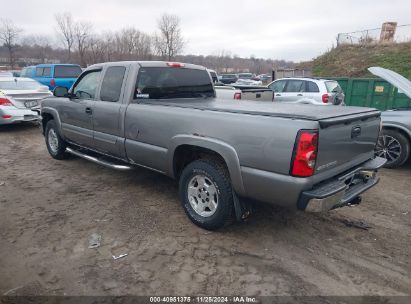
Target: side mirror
60, 91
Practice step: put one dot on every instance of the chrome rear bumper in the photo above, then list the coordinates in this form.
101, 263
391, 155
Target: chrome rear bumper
343, 190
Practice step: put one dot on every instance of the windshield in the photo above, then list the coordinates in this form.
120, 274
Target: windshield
164, 82
333, 87
19, 85
67, 71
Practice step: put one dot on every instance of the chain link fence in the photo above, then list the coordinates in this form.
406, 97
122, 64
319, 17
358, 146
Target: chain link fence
390, 32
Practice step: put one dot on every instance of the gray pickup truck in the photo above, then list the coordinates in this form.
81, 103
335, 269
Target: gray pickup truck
225, 154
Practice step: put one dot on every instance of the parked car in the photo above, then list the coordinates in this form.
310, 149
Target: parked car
28, 71
53, 75
227, 92
16, 73
19, 98
164, 116
247, 82
224, 92
395, 139
264, 78
228, 78
308, 91
246, 75
394, 142
6, 74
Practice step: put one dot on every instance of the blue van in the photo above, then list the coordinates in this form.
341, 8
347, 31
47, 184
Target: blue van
53, 75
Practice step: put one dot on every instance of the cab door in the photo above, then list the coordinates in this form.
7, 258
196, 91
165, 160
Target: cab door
278, 88
294, 90
107, 112
77, 113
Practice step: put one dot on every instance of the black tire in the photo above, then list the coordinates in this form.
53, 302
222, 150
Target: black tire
393, 146
215, 172
58, 152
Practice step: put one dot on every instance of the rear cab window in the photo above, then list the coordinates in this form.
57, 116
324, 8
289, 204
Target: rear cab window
170, 82
67, 71
333, 87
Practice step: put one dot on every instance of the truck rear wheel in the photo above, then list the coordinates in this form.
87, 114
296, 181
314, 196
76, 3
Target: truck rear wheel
206, 194
55, 144
393, 146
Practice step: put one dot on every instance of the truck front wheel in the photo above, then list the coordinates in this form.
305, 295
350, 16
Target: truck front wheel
206, 194
55, 144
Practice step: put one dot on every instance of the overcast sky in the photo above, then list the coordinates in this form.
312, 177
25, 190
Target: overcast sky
287, 29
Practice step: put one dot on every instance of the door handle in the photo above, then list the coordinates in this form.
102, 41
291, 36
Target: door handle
299, 94
277, 94
89, 111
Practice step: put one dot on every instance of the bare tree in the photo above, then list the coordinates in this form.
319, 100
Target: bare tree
65, 27
168, 42
133, 44
40, 44
224, 61
82, 34
108, 41
9, 34
97, 49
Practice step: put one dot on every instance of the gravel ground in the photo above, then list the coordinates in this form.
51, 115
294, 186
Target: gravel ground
49, 209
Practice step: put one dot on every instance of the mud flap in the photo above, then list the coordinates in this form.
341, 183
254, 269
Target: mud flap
241, 208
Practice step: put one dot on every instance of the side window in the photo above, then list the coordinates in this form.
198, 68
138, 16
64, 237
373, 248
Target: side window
87, 85
39, 72
277, 86
294, 86
43, 72
112, 83
46, 72
311, 87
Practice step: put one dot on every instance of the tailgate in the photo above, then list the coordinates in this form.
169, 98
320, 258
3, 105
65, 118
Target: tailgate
344, 139
257, 94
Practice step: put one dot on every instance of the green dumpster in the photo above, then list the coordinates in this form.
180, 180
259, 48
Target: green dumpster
372, 92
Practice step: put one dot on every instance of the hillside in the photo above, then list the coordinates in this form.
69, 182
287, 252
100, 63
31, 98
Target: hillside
353, 60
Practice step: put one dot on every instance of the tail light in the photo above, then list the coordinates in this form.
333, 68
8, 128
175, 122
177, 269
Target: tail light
325, 98
5, 102
175, 64
7, 116
53, 82
305, 154
237, 96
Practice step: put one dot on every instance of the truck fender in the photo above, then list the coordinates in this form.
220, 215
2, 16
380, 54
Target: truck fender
56, 117
226, 151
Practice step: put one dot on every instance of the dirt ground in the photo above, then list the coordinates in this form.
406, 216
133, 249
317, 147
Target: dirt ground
49, 209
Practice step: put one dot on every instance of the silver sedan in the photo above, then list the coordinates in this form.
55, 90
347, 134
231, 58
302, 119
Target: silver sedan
19, 99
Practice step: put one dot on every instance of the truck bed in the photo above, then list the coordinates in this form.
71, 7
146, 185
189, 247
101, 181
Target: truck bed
305, 112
